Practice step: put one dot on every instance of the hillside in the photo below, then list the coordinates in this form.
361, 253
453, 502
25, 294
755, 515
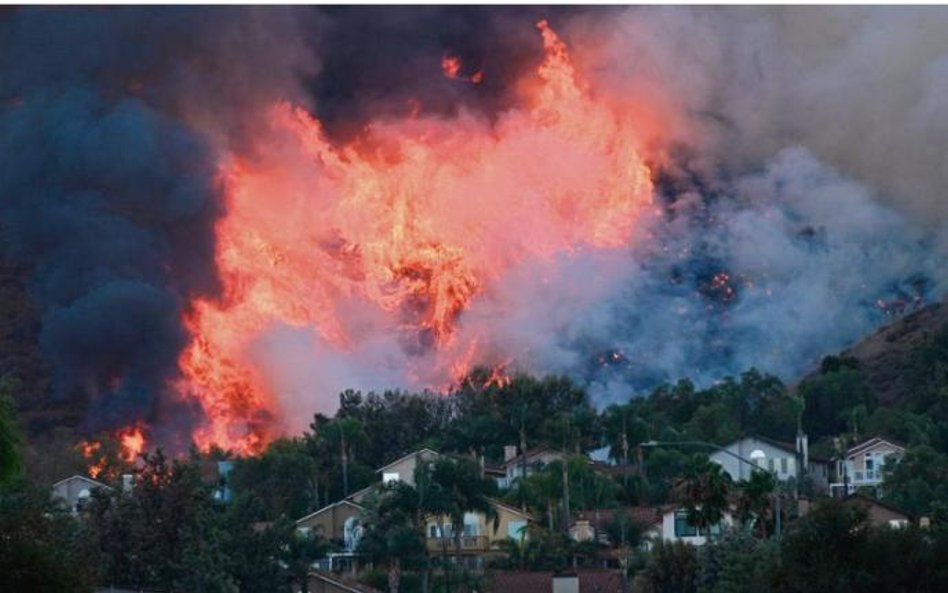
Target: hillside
887, 356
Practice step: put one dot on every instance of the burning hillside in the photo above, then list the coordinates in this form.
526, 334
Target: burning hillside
409, 224
227, 216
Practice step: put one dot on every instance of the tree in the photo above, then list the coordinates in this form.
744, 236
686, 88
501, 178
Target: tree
736, 563
391, 535
824, 551
42, 547
672, 567
918, 482
9, 435
463, 491
704, 490
342, 435
754, 499
299, 552
284, 479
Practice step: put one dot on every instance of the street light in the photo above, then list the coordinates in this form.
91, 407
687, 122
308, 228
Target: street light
777, 523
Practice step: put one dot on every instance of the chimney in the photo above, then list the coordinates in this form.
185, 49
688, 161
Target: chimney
803, 451
127, 482
510, 451
568, 583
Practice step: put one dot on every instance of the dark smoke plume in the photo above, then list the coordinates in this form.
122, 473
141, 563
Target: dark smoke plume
108, 194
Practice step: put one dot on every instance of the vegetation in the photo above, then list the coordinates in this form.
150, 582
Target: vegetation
170, 531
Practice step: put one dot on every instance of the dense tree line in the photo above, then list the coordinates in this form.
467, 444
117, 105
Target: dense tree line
170, 532
832, 550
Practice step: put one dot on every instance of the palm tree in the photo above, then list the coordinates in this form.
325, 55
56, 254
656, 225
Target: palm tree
462, 491
754, 500
392, 534
704, 491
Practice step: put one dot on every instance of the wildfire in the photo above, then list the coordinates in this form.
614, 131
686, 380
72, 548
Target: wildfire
92, 453
399, 231
131, 443
120, 447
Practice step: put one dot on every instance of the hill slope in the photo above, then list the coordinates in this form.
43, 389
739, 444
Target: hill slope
887, 357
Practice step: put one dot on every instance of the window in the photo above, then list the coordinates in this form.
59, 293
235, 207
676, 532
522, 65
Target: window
390, 477
433, 531
783, 465
683, 527
470, 524
515, 529
770, 464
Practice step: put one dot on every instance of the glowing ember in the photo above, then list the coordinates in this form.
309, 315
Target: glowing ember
396, 233
451, 66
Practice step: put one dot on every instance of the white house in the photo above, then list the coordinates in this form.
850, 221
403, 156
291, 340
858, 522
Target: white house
861, 467
674, 526
76, 491
784, 460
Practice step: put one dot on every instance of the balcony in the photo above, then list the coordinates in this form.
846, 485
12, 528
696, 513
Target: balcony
469, 544
869, 476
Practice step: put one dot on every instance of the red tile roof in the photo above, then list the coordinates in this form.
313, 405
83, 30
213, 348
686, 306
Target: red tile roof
593, 581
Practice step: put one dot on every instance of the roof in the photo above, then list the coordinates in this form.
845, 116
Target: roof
538, 450
343, 584
358, 495
859, 497
514, 510
591, 581
870, 442
783, 445
642, 515
329, 507
409, 455
94, 483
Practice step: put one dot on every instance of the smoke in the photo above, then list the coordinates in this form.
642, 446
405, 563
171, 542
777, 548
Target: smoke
110, 195
799, 156
792, 263
863, 88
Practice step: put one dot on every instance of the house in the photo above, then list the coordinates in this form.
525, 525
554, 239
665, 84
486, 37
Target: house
592, 524
536, 459
879, 512
861, 466
338, 522
784, 460
217, 474
480, 538
76, 491
675, 526
403, 468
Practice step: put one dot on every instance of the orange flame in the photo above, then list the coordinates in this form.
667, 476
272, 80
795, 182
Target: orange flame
91, 453
131, 442
406, 226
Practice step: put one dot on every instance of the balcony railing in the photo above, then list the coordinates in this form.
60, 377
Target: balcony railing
469, 543
867, 476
